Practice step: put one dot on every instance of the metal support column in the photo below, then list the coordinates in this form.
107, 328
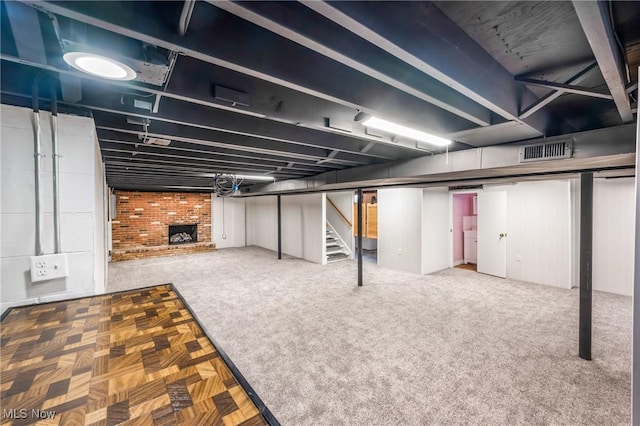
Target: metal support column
586, 264
359, 192
279, 228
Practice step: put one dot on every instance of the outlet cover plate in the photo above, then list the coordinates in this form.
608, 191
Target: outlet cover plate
49, 267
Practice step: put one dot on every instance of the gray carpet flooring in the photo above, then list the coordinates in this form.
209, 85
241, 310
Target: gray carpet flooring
455, 347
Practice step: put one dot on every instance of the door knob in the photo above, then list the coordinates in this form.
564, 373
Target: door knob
503, 234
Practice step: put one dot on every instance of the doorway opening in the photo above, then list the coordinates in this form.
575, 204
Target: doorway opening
465, 230
369, 225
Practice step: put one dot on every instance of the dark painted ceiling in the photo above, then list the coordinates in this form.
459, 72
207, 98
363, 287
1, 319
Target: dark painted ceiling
480, 73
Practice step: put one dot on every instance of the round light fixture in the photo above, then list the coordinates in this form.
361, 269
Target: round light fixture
99, 66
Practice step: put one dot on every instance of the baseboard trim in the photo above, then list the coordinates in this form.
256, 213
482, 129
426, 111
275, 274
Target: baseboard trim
5, 307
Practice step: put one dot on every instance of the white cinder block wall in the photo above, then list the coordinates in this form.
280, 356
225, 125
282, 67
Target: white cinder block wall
80, 205
102, 228
228, 217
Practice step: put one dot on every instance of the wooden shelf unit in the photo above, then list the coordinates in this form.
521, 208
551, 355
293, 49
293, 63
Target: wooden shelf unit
370, 220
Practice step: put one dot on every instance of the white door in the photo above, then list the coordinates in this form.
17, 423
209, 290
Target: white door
492, 233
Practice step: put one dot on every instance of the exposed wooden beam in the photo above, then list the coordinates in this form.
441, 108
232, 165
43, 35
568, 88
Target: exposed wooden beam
274, 65
566, 88
444, 51
271, 18
596, 23
547, 99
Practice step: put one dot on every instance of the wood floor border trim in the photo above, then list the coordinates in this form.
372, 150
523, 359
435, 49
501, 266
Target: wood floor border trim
108, 293
260, 405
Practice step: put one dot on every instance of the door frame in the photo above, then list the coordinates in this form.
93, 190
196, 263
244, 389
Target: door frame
451, 194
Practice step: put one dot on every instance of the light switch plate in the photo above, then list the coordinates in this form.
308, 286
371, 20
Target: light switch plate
49, 267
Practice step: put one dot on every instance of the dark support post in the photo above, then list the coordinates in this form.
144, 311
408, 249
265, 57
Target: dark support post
279, 228
635, 348
586, 263
359, 237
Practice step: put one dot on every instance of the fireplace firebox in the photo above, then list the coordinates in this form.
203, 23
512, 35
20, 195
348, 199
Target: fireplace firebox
183, 234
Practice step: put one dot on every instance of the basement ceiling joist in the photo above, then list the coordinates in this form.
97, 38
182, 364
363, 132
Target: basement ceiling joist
172, 152
297, 23
274, 87
263, 55
237, 151
467, 68
596, 23
192, 115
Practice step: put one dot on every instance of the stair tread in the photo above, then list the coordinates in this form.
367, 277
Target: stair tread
335, 250
338, 256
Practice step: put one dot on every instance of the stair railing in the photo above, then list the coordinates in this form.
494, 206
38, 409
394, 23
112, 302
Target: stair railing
339, 212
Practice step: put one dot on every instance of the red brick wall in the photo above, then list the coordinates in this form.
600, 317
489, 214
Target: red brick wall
143, 218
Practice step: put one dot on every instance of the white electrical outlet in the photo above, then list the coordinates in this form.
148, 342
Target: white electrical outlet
518, 258
49, 267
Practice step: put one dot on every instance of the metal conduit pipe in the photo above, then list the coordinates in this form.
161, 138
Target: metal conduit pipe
37, 153
37, 148
56, 172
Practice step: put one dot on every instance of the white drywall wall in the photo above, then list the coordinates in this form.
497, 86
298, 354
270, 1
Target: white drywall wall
400, 229
79, 202
303, 224
613, 235
262, 222
228, 216
435, 230
539, 232
574, 185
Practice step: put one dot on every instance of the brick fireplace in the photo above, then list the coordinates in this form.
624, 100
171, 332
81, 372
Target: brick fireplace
144, 221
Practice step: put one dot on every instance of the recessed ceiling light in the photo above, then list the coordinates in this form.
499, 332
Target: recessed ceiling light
99, 66
407, 132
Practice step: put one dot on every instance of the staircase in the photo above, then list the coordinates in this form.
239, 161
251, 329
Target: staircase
335, 250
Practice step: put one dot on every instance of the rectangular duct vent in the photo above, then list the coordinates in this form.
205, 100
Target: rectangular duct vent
235, 97
547, 151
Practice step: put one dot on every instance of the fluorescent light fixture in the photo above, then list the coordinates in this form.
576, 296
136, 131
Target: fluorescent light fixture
249, 177
99, 66
407, 132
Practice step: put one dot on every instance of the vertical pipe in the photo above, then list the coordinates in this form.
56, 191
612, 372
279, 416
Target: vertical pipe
635, 347
37, 153
56, 170
586, 264
279, 228
359, 237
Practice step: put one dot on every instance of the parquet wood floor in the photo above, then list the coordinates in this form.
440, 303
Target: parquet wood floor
130, 358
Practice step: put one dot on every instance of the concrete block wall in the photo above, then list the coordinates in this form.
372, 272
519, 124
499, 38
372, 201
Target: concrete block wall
82, 190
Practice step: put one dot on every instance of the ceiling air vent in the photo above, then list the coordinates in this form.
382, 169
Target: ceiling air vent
547, 151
